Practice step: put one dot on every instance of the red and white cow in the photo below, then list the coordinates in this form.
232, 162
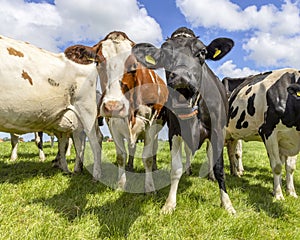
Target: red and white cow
44, 91
265, 107
132, 99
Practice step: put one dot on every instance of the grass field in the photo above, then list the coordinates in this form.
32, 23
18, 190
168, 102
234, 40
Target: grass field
40, 202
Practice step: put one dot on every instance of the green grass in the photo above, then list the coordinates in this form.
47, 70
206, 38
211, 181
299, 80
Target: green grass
40, 202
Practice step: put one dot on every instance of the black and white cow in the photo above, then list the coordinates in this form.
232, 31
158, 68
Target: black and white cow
266, 107
197, 104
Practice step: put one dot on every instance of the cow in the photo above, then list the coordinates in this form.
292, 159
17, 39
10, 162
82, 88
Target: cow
265, 107
45, 91
197, 104
132, 99
14, 139
234, 148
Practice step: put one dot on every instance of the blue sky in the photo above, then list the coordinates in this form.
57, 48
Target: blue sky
266, 33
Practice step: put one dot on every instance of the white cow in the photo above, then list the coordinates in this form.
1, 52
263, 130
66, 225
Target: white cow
44, 91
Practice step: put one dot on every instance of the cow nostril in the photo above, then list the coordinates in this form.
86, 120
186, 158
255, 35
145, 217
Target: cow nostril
113, 106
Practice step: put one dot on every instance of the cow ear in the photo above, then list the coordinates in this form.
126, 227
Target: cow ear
80, 54
147, 54
218, 48
294, 90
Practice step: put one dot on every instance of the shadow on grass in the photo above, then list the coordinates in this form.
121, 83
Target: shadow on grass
20, 170
116, 211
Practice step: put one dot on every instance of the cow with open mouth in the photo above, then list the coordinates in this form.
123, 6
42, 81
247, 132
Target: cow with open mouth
197, 104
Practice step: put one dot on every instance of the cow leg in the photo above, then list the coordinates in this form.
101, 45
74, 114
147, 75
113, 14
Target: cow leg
95, 139
68, 152
176, 173
131, 152
147, 156
14, 140
188, 156
239, 157
38, 136
276, 162
52, 141
220, 177
209, 158
236, 167
60, 160
78, 137
290, 166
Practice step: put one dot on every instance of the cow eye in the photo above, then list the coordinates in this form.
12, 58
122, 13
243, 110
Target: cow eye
201, 53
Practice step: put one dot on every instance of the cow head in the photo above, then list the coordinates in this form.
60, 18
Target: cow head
294, 90
183, 57
111, 56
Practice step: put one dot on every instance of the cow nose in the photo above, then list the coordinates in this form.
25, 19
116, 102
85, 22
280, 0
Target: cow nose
113, 107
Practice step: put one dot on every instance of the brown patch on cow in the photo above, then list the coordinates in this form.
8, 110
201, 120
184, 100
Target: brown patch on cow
81, 54
26, 76
15, 52
53, 82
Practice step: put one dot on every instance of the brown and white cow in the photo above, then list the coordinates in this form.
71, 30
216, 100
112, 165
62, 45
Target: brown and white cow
44, 91
132, 99
265, 107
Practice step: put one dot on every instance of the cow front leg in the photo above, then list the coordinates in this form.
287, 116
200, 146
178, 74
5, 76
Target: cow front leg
220, 176
148, 161
95, 139
14, 140
176, 173
60, 160
188, 157
38, 136
290, 166
78, 137
276, 162
131, 152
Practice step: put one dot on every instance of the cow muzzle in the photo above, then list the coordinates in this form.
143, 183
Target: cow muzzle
113, 108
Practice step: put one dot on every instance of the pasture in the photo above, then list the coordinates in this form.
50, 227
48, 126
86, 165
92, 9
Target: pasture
40, 202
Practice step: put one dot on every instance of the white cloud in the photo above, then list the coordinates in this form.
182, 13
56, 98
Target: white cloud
229, 69
272, 34
50, 26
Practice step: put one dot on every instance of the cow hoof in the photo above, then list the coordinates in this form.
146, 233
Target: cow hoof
129, 168
211, 177
154, 168
279, 197
167, 209
293, 194
42, 157
97, 177
230, 210
55, 163
189, 171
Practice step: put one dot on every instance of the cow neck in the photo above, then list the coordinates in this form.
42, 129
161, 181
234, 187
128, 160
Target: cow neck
185, 110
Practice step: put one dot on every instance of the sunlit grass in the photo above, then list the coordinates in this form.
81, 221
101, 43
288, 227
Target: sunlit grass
40, 202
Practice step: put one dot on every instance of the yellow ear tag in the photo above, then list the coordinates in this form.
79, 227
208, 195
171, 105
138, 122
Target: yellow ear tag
150, 60
217, 52
298, 94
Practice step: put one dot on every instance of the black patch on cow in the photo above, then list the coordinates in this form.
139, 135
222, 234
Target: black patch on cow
245, 124
233, 112
250, 105
280, 106
248, 90
249, 81
239, 124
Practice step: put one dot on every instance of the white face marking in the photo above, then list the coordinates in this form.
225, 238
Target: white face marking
115, 53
